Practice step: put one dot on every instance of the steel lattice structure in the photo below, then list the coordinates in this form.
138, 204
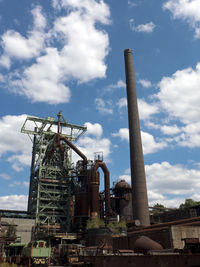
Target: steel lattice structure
51, 171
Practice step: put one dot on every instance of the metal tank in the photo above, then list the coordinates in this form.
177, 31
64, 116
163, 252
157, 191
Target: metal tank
123, 200
138, 179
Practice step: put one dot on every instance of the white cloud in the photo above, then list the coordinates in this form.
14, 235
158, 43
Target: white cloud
148, 27
119, 84
148, 141
170, 129
150, 145
95, 10
5, 176
80, 42
123, 133
89, 146
146, 110
169, 184
13, 141
172, 182
180, 95
92, 142
188, 10
131, 3
122, 102
20, 184
94, 129
104, 107
17, 46
145, 83
14, 202
172, 179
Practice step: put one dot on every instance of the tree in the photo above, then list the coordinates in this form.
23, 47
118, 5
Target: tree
157, 208
95, 222
189, 203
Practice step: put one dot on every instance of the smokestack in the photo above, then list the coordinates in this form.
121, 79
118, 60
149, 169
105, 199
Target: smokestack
138, 179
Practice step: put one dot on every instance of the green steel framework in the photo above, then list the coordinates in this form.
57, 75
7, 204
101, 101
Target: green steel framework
51, 177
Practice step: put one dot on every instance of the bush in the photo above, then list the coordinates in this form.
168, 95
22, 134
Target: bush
95, 223
116, 227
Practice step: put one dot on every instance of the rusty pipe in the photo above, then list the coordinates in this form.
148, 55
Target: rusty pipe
103, 166
75, 149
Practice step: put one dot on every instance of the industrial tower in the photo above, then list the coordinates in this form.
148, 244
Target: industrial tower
51, 178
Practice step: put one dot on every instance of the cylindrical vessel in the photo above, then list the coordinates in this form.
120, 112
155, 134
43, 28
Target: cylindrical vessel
138, 179
94, 194
123, 194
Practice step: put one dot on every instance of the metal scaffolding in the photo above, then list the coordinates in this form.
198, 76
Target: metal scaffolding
51, 171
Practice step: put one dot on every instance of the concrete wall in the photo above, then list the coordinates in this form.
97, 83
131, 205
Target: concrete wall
180, 232
24, 227
169, 237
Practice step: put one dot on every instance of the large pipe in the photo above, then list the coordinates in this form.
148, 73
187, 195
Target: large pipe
138, 179
103, 166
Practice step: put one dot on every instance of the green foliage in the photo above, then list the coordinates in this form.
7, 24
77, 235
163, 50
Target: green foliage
116, 227
95, 223
11, 231
158, 208
157, 205
189, 203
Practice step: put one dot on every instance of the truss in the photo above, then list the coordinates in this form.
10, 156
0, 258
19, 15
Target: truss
51, 170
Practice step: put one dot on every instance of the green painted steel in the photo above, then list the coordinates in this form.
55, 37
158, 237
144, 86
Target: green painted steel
37, 249
51, 172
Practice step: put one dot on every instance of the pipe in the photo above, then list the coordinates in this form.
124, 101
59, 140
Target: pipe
93, 188
103, 166
58, 144
75, 149
138, 180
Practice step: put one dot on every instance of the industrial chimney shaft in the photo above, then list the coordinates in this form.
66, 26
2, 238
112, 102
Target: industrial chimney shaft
138, 179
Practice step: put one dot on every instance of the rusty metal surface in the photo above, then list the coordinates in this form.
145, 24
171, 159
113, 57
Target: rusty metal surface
143, 260
99, 237
138, 179
143, 244
102, 165
190, 221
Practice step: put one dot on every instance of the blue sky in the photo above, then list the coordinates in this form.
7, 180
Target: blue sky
68, 55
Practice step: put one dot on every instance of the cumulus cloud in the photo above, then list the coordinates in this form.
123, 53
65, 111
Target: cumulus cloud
17, 46
150, 145
94, 129
145, 83
14, 142
147, 28
119, 84
180, 95
170, 129
188, 10
14, 202
93, 142
148, 141
172, 181
80, 41
17, 146
104, 107
146, 110
169, 184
